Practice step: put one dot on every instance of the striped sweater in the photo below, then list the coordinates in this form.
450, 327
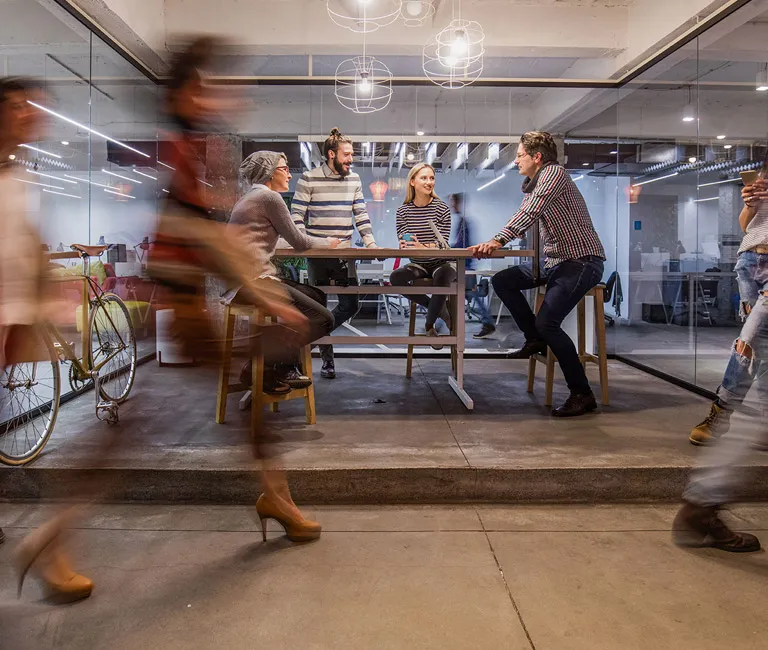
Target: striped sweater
415, 220
328, 205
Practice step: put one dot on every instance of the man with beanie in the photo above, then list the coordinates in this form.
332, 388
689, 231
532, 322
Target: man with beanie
574, 263
329, 203
265, 222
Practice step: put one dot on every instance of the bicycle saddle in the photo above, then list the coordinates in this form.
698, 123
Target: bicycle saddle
90, 251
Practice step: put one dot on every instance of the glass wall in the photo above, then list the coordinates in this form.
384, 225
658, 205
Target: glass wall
83, 178
657, 161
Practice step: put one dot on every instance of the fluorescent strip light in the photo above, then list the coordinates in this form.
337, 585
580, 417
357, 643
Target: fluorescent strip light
653, 180
498, 178
168, 166
47, 153
74, 196
730, 180
136, 171
90, 130
125, 178
85, 180
56, 178
578, 178
54, 187
714, 198
119, 194
200, 180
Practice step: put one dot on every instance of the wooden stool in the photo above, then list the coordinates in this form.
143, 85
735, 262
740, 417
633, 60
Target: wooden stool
256, 394
426, 282
601, 359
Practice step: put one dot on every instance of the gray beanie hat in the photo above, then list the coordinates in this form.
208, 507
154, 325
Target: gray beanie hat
259, 167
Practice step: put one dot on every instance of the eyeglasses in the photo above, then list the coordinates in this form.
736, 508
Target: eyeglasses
521, 155
284, 168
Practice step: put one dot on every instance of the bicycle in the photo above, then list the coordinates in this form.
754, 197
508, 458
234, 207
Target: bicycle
30, 392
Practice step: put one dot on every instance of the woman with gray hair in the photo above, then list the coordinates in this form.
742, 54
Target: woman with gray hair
264, 220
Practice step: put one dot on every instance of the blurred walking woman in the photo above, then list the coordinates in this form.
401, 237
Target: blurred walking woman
418, 219
24, 304
190, 245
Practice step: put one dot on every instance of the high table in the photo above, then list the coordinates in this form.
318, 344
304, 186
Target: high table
457, 290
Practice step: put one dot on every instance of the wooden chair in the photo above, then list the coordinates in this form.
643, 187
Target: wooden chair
255, 394
412, 327
601, 358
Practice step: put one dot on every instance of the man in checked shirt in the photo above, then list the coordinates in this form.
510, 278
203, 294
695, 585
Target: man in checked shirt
573, 265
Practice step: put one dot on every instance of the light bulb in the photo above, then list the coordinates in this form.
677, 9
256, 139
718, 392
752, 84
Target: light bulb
762, 89
364, 86
451, 61
721, 137
728, 146
410, 156
419, 132
692, 159
64, 142
414, 8
459, 45
12, 157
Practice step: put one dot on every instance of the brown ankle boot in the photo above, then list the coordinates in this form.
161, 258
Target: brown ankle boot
701, 526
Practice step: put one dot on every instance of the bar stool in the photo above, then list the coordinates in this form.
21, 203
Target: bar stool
427, 282
255, 393
601, 359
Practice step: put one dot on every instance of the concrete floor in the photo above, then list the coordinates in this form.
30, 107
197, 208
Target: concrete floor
443, 578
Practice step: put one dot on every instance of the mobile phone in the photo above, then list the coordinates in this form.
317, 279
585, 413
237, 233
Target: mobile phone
408, 237
749, 177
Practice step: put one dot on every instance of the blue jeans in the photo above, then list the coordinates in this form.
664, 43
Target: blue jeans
715, 481
477, 303
567, 283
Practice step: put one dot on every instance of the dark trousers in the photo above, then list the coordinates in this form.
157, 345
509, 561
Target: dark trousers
567, 283
442, 275
324, 272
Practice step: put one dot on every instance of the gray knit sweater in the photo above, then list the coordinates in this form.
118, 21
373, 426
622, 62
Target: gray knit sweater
264, 219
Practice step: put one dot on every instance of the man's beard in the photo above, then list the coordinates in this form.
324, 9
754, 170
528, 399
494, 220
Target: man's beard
340, 170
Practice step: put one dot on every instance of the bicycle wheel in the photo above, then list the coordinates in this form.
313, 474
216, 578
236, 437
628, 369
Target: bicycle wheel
113, 344
29, 404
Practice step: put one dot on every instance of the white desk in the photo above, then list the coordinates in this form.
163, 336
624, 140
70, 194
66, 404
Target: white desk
457, 290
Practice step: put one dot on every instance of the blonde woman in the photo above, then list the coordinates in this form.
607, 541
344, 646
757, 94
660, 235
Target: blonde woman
421, 208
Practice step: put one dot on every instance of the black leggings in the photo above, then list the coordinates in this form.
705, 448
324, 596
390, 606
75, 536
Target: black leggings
442, 275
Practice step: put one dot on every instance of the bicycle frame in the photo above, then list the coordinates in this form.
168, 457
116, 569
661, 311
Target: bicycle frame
83, 368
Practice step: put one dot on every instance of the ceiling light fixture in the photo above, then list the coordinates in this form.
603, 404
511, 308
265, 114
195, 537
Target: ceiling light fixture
689, 112
415, 13
73, 196
85, 180
82, 126
125, 178
65, 143
12, 157
692, 159
721, 137
453, 58
54, 187
136, 171
47, 153
419, 133
375, 14
653, 180
495, 180
713, 198
128, 196
727, 146
56, 178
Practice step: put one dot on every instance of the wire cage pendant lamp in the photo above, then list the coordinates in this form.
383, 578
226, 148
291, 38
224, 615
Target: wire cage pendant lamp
364, 16
453, 58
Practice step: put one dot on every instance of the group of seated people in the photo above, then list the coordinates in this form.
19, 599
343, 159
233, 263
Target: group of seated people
328, 206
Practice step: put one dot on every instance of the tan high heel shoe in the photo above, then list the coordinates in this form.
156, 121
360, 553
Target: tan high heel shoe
41, 552
297, 528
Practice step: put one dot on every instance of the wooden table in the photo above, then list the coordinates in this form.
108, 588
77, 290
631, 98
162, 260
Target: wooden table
457, 290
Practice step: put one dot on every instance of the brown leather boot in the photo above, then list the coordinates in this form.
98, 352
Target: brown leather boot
701, 526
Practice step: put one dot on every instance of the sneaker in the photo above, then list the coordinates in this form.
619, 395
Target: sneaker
273, 384
713, 426
701, 526
485, 330
328, 371
431, 331
294, 378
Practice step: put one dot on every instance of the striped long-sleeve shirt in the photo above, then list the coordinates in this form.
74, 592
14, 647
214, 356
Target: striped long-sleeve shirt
328, 205
415, 220
564, 221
